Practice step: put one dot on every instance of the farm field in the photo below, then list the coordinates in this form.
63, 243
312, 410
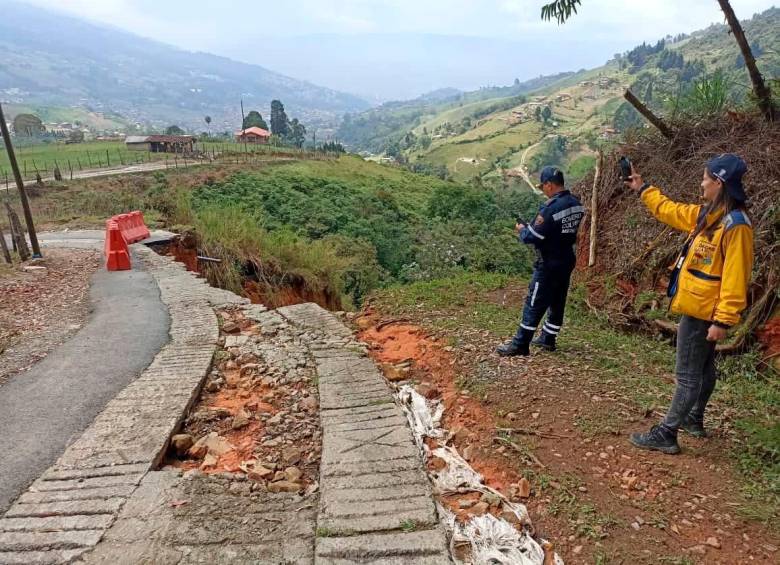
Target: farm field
44, 157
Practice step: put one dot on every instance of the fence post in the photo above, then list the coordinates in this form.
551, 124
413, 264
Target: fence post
71, 169
108, 159
79, 163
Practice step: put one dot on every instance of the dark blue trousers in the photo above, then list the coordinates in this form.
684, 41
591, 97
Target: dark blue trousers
546, 294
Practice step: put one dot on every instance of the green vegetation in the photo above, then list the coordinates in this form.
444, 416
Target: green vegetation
44, 157
350, 226
409, 525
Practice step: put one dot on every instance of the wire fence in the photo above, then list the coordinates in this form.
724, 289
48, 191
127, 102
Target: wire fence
46, 163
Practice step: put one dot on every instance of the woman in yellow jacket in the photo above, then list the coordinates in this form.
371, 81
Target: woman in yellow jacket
708, 286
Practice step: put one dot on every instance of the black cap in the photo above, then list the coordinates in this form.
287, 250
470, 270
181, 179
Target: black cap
551, 174
729, 169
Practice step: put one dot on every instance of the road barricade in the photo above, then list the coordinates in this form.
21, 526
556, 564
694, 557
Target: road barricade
117, 253
122, 230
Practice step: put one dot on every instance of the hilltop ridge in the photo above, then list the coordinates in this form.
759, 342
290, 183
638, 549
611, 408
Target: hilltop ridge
496, 136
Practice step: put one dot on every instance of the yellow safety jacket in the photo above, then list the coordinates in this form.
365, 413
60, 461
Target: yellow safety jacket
715, 272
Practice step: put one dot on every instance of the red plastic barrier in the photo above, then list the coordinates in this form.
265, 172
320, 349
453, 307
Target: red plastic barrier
121, 230
117, 254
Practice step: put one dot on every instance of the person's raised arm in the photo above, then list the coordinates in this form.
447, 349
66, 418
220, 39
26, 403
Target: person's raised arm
679, 216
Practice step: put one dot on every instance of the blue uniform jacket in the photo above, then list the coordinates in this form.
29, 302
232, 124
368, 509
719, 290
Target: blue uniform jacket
554, 231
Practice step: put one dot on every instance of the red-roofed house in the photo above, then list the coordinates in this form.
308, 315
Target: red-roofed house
253, 135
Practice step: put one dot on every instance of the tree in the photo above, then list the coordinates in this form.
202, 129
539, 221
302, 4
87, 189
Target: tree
207, 119
28, 125
296, 134
280, 125
561, 10
546, 113
760, 89
254, 120
538, 113
174, 130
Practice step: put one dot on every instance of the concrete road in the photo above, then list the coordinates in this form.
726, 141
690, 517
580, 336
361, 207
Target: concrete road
47, 407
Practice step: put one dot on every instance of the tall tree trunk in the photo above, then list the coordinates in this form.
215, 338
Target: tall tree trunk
648, 114
760, 89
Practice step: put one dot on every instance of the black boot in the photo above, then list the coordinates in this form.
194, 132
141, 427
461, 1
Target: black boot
693, 426
512, 348
545, 340
518, 345
658, 438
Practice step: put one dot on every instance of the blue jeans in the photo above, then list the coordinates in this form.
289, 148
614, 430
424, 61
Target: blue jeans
696, 374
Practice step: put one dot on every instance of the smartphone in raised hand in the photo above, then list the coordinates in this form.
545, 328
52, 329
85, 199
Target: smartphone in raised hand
625, 168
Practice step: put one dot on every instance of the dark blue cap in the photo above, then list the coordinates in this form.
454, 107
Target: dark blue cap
729, 169
551, 174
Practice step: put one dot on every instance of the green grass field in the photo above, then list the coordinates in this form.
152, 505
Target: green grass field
43, 157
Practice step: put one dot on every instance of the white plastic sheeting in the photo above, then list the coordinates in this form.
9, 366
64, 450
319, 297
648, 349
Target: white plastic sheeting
493, 541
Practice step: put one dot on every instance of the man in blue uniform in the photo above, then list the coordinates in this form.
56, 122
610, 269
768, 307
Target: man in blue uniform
554, 235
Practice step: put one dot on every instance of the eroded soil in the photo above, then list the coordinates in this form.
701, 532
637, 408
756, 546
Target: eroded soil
254, 418
558, 422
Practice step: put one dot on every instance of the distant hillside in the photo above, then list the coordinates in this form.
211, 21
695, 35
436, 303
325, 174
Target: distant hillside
373, 129
49, 59
496, 136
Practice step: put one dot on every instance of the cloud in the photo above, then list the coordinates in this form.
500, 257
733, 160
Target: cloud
197, 24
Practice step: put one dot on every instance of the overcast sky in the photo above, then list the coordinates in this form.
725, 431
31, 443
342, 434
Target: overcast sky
240, 28
210, 25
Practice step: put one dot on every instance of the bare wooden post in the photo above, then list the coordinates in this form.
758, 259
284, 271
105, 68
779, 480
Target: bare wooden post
70, 166
645, 111
18, 234
108, 159
594, 209
79, 163
4, 245
20, 185
760, 89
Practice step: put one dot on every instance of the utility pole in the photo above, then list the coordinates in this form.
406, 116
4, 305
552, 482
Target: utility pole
20, 185
243, 131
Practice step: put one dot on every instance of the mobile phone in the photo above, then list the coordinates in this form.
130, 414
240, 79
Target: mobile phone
625, 167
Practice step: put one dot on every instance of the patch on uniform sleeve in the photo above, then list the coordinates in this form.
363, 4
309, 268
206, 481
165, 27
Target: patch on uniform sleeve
539, 220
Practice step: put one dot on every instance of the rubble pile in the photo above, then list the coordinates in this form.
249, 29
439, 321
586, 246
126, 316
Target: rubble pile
258, 413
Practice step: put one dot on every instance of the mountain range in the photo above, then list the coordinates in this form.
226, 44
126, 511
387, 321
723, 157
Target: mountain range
50, 59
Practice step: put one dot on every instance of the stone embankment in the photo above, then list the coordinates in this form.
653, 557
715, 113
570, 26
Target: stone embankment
110, 497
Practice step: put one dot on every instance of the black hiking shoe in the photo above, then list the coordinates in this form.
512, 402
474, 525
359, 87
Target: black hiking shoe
693, 427
511, 349
657, 439
545, 341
